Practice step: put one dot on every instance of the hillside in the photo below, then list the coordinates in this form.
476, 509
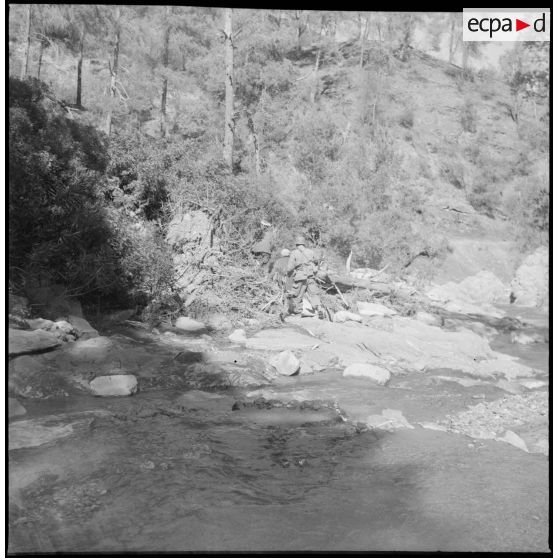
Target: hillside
408, 160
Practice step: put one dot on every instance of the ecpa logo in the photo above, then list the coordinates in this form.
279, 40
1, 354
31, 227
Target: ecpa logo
510, 24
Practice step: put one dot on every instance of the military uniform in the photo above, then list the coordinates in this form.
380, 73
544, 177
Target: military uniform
302, 267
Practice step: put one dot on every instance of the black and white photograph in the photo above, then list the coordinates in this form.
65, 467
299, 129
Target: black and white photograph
277, 280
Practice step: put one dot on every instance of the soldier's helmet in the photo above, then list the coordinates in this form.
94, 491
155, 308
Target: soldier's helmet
285, 252
300, 240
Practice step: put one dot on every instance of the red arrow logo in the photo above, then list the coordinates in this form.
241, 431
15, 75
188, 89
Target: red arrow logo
519, 25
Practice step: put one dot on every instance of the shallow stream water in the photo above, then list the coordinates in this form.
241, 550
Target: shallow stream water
176, 470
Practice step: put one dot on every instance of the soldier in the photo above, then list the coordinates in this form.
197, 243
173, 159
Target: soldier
302, 267
263, 248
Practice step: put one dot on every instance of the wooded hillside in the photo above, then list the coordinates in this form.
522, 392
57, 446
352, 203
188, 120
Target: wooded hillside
334, 124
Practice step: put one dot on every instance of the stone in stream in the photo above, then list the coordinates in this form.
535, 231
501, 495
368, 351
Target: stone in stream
238, 336
40, 323
281, 339
530, 284
532, 384
83, 327
219, 322
15, 408
285, 363
91, 349
119, 384
376, 373
185, 323
21, 342
429, 319
512, 438
374, 309
389, 419
344, 316
524, 338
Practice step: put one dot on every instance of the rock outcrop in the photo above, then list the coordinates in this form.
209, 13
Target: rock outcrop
530, 284
22, 342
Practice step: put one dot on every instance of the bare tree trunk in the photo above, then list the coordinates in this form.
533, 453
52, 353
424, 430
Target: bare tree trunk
41, 49
166, 40
363, 39
464, 57
25, 64
113, 73
452, 40
317, 66
80, 66
229, 90
315, 78
257, 161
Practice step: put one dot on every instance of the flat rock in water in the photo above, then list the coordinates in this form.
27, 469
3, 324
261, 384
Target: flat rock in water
21, 342
37, 432
281, 339
238, 336
524, 338
532, 384
285, 363
83, 328
119, 384
429, 319
376, 373
512, 438
505, 365
188, 324
389, 419
91, 349
374, 309
15, 408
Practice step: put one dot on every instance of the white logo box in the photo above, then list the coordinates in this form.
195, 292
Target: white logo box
499, 24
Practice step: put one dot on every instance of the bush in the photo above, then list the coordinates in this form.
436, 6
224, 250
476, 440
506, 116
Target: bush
407, 118
61, 228
468, 116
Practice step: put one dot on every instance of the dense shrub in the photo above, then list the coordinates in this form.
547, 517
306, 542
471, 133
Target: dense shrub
61, 229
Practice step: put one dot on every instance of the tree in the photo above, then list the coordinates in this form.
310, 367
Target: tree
364, 22
229, 89
166, 40
25, 63
113, 68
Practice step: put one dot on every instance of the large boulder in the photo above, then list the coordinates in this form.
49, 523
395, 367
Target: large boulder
21, 342
82, 327
378, 374
90, 350
40, 323
190, 325
390, 419
530, 284
285, 363
118, 384
194, 227
238, 336
484, 288
218, 321
374, 309
345, 316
